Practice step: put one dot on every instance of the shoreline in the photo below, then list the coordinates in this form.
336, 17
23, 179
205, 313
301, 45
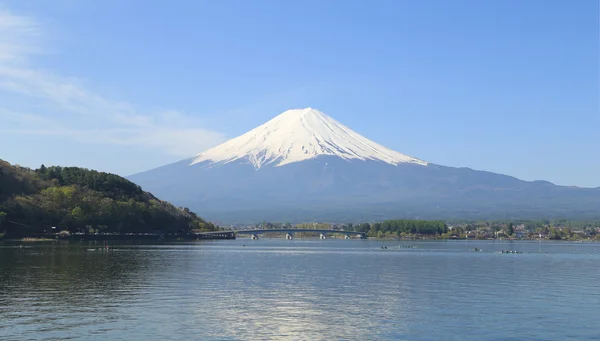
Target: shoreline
228, 235
117, 237
188, 239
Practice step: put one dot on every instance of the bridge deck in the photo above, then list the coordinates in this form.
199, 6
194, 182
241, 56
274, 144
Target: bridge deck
299, 230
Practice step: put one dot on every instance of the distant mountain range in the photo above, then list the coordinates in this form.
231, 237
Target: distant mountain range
304, 165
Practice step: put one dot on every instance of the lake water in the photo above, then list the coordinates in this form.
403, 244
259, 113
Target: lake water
300, 290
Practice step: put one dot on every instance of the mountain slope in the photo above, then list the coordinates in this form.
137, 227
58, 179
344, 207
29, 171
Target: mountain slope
78, 199
299, 135
266, 174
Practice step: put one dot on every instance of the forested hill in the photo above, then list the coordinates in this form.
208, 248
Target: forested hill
82, 200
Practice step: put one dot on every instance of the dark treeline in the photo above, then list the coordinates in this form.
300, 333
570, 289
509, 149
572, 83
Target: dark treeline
398, 228
556, 229
410, 226
387, 228
110, 185
81, 200
531, 225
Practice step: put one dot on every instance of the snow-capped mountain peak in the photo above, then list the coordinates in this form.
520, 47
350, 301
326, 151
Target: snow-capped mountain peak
298, 135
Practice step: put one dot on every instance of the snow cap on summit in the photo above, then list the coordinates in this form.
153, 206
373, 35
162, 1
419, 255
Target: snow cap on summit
297, 135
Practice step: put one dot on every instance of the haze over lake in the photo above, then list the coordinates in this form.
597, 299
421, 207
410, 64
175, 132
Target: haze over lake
301, 289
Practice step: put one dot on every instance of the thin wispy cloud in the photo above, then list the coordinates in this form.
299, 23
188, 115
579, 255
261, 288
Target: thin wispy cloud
18, 37
64, 106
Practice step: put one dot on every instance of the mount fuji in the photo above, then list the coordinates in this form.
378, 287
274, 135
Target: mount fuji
304, 165
300, 135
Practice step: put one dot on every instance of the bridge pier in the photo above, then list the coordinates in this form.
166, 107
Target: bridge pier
322, 236
253, 237
289, 236
346, 236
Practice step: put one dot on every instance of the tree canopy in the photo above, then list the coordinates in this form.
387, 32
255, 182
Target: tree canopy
82, 200
425, 227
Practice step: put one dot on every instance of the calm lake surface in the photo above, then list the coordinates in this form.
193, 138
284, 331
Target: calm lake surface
274, 289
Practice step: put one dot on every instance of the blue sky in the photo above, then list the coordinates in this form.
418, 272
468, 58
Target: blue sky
124, 86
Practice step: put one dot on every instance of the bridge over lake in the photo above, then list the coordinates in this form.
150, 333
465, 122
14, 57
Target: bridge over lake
289, 233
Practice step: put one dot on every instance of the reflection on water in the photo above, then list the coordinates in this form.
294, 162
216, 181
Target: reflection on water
300, 289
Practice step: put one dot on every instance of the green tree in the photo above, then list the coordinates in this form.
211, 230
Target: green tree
81, 199
2, 217
511, 229
77, 216
554, 234
364, 227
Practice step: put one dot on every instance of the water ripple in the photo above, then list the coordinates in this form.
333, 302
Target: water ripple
300, 290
